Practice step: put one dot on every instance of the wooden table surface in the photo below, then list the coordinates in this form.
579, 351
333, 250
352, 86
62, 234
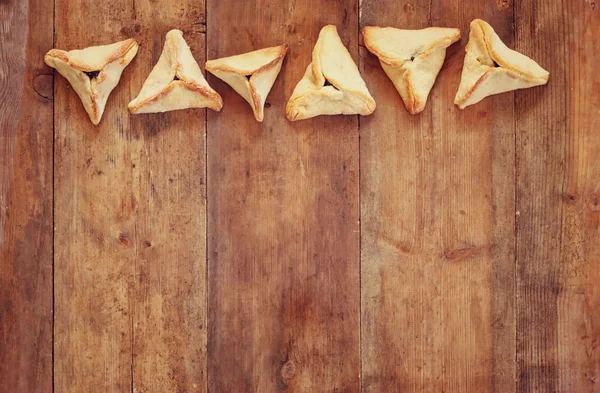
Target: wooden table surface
193, 251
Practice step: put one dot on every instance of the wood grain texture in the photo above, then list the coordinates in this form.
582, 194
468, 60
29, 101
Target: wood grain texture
478, 247
558, 167
25, 198
283, 242
130, 228
437, 222
169, 344
95, 206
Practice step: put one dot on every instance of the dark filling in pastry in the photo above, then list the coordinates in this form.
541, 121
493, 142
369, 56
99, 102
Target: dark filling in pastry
176, 78
92, 74
329, 84
496, 64
248, 76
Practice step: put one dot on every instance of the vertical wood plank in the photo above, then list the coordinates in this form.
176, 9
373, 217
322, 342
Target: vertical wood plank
437, 213
26, 29
130, 217
169, 340
558, 167
283, 229
95, 242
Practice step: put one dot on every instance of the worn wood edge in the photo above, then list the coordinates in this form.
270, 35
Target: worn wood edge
25, 203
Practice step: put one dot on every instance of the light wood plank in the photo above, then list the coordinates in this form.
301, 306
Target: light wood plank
282, 216
130, 227
95, 203
169, 340
558, 241
25, 197
437, 212
170, 294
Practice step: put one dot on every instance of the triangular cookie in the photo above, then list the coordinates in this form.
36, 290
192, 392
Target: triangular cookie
93, 72
491, 67
332, 84
412, 59
176, 82
251, 74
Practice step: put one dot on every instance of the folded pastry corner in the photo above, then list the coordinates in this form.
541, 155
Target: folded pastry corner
490, 67
93, 72
251, 74
175, 82
412, 59
332, 84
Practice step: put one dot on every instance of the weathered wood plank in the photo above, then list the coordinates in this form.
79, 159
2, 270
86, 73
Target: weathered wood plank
95, 235
130, 217
283, 229
170, 292
558, 167
437, 214
25, 197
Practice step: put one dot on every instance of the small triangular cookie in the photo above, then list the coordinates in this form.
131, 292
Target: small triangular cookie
176, 82
332, 84
491, 67
412, 59
251, 74
93, 72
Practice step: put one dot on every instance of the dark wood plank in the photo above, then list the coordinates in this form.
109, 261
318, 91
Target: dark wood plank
130, 217
437, 214
558, 167
283, 229
25, 197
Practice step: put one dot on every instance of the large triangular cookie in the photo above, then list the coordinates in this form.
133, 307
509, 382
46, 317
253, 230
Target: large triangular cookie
491, 67
412, 59
251, 74
93, 72
332, 84
176, 82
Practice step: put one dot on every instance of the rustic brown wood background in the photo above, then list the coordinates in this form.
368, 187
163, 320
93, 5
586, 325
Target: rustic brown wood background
453, 251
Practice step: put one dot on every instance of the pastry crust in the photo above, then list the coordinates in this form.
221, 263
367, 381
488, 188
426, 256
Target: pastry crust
175, 82
331, 62
251, 74
412, 59
491, 67
93, 72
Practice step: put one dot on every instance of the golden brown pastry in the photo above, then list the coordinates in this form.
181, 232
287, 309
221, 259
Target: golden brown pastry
251, 74
93, 72
332, 84
491, 67
176, 82
412, 59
